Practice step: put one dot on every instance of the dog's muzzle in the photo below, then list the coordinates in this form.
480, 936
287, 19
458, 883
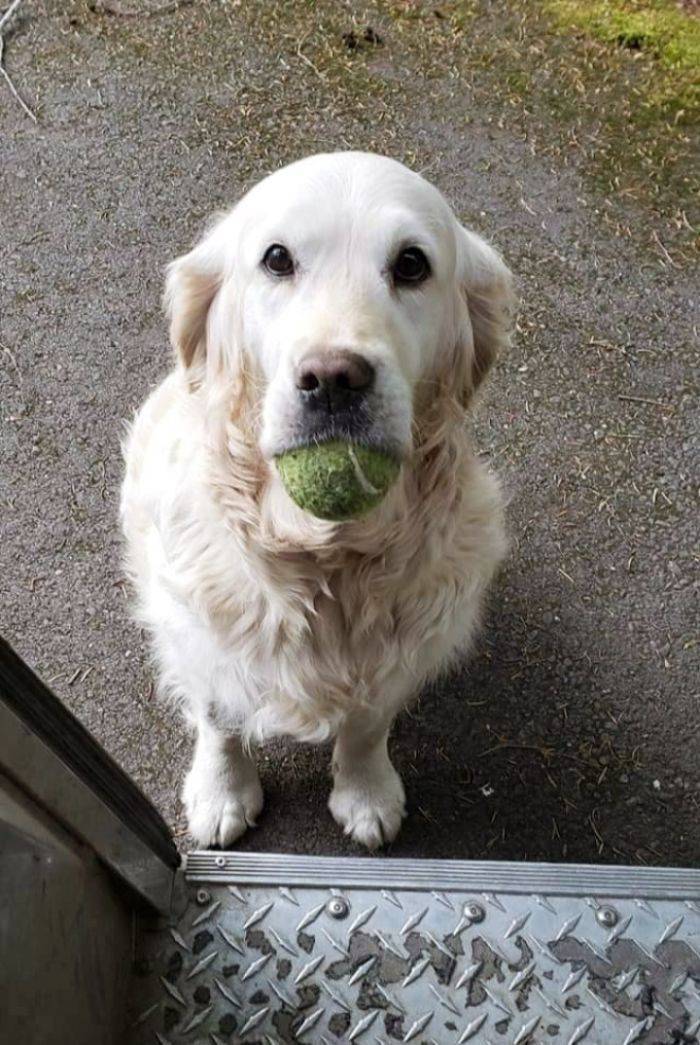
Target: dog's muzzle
334, 392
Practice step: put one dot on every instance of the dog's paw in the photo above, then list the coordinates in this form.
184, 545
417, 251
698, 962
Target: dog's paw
219, 809
369, 807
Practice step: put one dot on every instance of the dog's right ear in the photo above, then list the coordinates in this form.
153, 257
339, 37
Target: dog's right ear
192, 282
486, 285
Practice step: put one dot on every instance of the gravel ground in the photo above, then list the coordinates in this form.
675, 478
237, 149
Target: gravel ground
573, 733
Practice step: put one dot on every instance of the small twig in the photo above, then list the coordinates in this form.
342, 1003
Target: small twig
526, 207
648, 402
308, 61
544, 751
12, 359
665, 253
6, 76
9, 13
113, 7
596, 832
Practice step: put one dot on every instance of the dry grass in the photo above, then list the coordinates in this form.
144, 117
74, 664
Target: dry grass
583, 92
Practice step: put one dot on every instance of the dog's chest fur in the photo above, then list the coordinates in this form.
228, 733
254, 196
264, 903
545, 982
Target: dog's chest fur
266, 638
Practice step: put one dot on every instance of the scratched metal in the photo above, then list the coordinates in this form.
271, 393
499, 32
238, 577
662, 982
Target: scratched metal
271, 964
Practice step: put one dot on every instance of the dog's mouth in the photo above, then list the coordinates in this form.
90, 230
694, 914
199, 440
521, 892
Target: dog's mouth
377, 421
357, 425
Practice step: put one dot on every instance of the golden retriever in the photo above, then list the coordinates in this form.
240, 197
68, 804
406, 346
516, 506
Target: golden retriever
339, 298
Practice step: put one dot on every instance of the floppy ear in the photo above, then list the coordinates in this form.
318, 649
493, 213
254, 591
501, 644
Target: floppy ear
486, 286
191, 285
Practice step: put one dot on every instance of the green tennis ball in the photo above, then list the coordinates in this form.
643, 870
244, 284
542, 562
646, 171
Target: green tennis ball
337, 480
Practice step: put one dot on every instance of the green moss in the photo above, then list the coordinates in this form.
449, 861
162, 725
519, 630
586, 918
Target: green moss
610, 85
657, 28
605, 87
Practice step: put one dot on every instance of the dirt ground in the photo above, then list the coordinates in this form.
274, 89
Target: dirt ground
573, 734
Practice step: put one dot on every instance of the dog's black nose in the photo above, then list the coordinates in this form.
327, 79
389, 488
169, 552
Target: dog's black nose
334, 382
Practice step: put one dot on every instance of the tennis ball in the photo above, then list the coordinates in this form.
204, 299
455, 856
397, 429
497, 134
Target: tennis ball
337, 480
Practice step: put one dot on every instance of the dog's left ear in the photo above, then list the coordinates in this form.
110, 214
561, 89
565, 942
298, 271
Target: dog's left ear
485, 285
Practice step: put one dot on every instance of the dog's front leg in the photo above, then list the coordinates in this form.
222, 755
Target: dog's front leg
222, 793
368, 798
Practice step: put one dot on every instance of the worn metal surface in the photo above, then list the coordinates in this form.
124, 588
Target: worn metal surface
66, 934
374, 951
48, 780
51, 722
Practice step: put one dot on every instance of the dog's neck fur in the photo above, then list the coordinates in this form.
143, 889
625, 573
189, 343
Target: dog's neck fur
299, 560
256, 510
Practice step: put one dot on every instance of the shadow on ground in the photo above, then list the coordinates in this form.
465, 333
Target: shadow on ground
521, 755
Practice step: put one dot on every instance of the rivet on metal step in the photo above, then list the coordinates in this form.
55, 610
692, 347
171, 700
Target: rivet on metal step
607, 917
474, 912
203, 897
220, 861
338, 907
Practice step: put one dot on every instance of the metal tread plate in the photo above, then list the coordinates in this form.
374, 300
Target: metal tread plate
279, 949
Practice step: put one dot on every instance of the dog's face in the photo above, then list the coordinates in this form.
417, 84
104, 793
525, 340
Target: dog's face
345, 288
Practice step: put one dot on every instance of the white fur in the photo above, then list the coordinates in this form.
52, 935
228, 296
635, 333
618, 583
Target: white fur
265, 620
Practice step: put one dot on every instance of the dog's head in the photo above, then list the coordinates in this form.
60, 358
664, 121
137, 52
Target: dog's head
345, 293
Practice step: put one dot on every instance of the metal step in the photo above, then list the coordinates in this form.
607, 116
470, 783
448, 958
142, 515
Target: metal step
281, 949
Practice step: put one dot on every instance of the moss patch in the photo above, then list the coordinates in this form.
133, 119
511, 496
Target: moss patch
657, 28
608, 86
604, 87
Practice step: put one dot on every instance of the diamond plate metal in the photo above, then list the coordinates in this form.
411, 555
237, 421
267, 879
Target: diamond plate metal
267, 962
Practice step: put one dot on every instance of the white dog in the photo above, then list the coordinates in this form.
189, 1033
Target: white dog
339, 297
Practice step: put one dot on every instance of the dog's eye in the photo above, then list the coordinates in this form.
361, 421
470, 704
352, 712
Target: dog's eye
411, 267
278, 260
